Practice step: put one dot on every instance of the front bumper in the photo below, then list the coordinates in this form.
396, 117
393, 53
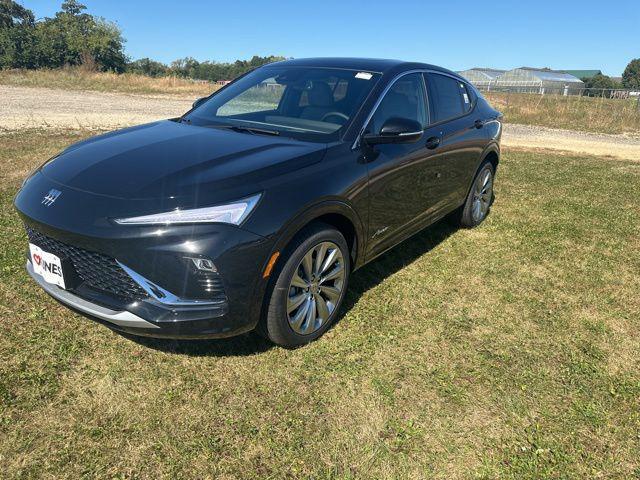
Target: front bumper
165, 310
140, 279
210, 322
185, 322
122, 318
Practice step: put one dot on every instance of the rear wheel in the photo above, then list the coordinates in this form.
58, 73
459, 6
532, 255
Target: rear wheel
309, 288
480, 197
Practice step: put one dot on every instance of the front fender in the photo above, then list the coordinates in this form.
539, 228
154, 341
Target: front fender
310, 213
303, 218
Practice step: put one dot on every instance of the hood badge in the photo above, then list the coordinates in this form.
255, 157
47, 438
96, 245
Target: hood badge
51, 197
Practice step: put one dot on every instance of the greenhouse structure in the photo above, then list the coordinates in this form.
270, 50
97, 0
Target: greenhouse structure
482, 78
542, 81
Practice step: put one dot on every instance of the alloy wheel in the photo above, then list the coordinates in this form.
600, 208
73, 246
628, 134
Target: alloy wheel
482, 195
316, 288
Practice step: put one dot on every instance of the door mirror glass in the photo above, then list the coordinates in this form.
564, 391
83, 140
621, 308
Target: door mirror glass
396, 130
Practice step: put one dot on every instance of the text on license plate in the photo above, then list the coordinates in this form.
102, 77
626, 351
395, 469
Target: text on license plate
47, 265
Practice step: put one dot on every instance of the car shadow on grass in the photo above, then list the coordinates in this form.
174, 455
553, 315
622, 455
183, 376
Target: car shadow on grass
394, 260
362, 280
240, 346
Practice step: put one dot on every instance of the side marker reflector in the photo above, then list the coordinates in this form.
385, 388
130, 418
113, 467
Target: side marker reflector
272, 262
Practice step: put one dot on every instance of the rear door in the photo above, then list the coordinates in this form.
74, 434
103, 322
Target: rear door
462, 139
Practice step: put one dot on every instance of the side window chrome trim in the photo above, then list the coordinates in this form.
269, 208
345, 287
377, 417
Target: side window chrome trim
356, 143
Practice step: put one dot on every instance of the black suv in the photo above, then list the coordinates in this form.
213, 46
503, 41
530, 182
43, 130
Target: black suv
253, 209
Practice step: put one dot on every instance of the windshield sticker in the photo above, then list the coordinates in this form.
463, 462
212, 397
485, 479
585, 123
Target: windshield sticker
466, 98
364, 75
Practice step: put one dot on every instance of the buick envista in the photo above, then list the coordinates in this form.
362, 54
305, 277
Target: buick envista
252, 210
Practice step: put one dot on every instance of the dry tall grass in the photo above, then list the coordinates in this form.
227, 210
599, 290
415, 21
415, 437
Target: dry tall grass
81, 79
572, 112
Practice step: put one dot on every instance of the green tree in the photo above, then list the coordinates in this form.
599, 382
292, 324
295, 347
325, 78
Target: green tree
214, 71
599, 85
72, 37
146, 66
12, 13
72, 7
631, 75
16, 25
77, 36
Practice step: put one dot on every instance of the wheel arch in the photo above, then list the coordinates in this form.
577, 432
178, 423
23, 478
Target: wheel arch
491, 153
492, 156
333, 212
336, 213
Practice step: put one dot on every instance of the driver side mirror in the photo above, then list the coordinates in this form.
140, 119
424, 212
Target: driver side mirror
198, 102
396, 130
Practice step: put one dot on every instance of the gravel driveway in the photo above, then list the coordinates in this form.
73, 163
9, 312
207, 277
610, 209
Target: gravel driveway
23, 107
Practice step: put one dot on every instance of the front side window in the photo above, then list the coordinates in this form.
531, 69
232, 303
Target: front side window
405, 99
307, 103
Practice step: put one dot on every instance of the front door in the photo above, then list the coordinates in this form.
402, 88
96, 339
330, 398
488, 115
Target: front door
398, 173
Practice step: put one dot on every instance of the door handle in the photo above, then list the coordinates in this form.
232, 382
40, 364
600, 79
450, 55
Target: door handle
478, 124
432, 143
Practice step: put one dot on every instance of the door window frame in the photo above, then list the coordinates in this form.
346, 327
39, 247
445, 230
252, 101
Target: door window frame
425, 98
422, 71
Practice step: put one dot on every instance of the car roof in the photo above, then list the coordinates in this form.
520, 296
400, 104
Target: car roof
376, 65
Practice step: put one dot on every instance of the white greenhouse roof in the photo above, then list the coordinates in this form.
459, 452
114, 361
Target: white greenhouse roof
551, 76
488, 73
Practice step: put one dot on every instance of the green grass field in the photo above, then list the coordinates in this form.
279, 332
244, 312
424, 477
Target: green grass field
510, 352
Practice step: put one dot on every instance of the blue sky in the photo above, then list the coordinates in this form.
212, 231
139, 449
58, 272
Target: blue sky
498, 33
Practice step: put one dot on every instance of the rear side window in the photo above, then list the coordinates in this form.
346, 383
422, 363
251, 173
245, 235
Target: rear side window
448, 97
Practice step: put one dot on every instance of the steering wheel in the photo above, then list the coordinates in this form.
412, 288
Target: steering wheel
336, 114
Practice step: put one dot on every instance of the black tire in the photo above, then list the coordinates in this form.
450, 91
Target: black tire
464, 216
275, 323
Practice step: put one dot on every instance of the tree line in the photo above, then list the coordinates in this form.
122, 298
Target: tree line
75, 38
190, 68
602, 84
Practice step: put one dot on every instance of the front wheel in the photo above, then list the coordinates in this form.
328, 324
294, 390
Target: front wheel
476, 206
309, 288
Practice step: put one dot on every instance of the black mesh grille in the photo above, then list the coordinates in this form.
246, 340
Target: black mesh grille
94, 269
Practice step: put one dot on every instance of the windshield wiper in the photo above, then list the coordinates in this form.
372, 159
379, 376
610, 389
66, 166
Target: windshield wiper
253, 130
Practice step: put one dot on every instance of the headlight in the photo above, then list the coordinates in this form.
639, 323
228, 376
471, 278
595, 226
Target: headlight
233, 213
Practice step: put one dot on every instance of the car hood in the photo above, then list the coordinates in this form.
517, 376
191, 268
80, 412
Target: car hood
171, 160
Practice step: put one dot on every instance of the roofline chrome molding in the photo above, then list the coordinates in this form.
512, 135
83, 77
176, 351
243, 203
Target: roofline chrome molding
356, 142
162, 295
120, 318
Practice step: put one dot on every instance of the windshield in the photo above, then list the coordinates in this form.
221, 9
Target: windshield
312, 104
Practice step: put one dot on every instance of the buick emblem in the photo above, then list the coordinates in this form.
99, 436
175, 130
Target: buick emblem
51, 197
